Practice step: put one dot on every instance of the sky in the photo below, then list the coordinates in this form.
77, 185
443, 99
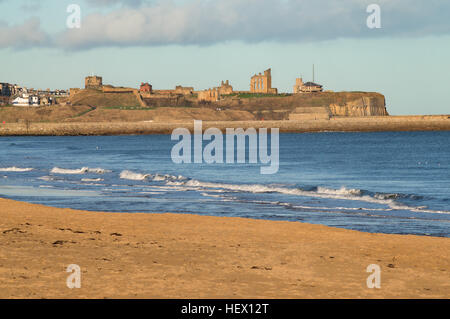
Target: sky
202, 42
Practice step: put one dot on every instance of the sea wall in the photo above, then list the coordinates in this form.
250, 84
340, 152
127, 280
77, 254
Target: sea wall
337, 124
310, 113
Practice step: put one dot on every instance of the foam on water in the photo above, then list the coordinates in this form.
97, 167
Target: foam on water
133, 176
83, 170
321, 192
92, 179
15, 169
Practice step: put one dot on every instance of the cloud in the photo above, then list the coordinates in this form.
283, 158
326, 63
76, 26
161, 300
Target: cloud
100, 3
206, 22
26, 35
203, 22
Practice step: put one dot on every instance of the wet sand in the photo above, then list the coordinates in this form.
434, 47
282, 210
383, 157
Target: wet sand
191, 256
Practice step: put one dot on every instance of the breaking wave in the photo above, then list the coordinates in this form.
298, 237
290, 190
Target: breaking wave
166, 182
133, 176
92, 179
319, 192
154, 177
15, 169
83, 170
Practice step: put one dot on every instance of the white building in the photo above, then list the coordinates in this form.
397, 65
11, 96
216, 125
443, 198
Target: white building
26, 100
34, 100
21, 101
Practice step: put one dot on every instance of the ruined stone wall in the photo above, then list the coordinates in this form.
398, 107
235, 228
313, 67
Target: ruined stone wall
164, 92
111, 89
211, 95
184, 90
262, 83
225, 88
167, 101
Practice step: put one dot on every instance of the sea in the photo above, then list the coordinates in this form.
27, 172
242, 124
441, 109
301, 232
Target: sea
383, 182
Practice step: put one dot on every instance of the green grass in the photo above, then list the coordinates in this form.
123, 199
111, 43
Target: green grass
83, 113
135, 108
181, 106
256, 95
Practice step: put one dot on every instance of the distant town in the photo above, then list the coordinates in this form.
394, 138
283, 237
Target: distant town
260, 84
13, 94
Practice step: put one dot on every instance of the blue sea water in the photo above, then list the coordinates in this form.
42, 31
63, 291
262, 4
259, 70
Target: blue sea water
374, 182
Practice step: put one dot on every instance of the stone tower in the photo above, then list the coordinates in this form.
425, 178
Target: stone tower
93, 82
298, 85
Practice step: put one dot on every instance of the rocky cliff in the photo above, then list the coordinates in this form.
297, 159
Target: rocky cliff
310, 105
232, 107
361, 106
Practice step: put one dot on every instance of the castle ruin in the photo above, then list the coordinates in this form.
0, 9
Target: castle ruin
213, 94
262, 83
93, 82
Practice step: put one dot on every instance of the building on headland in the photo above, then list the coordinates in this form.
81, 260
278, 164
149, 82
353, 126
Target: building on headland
21, 101
5, 89
209, 95
93, 82
178, 91
27, 100
214, 94
184, 90
262, 83
35, 100
225, 88
145, 88
308, 87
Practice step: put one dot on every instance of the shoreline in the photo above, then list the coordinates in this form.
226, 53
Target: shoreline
139, 255
336, 124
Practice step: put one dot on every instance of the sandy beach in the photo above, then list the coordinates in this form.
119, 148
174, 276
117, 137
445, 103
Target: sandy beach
191, 256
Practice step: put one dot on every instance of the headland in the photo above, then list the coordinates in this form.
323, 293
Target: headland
100, 109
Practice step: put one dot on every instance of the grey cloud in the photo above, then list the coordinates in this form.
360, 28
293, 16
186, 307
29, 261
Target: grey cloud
132, 3
26, 35
206, 22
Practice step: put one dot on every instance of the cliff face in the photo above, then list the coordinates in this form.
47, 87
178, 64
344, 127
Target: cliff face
310, 105
362, 106
258, 106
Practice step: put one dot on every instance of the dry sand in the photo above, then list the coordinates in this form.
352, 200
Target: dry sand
190, 256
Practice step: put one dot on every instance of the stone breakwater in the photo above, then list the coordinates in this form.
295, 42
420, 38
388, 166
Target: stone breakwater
336, 124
